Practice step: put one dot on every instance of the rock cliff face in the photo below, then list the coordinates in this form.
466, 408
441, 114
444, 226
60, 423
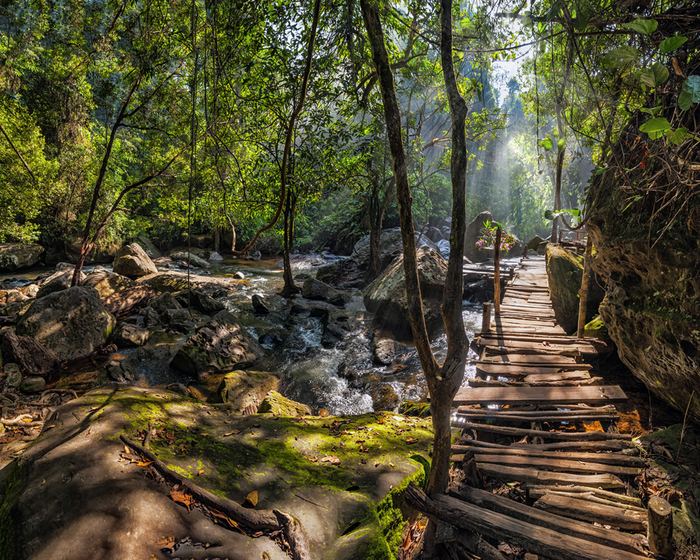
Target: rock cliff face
645, 224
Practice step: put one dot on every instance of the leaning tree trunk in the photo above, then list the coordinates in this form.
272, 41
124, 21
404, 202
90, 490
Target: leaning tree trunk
443, 381
289, 288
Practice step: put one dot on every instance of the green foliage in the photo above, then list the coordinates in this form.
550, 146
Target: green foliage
690, 93
670, 44
643, 26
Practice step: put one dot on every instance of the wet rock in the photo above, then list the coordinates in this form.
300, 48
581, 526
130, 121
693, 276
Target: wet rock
253, 256
276, 404
133, 262
163, 302
239, 275
386, 296
564, 272
386, 349
260, 305
178, 319
32, 385
271, 339
150, 317
107, 283
61, 266
119, 372
129, 299
15, 296
241, 389
298, 309
219, 346
73, 322
200, 301
12, 375
32, 356
384, 397
317, 290
57, 282
16, 256
301, 276
126, 335
215, 257
194, 260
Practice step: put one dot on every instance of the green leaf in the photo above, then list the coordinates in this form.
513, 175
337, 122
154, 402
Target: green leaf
561, 145
545, 143
660, 73
692, 87
672, 43
678, 136
527, 21
646, 76
652, 110
684, 101
655, 128
643, 26
549, 215
621, 56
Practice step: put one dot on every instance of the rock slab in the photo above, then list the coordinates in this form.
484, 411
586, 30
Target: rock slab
73, 322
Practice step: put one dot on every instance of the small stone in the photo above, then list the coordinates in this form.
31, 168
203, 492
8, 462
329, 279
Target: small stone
239, 275
12, 374
260, 305
32, 385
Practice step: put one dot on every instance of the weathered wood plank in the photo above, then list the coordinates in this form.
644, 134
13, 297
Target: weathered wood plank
559, 436
540, 540
581, 382
536, 491
560, 395
568, 375
552, 464
564, 525
603, 458
523, 369
534, 476
588, 496
569, 411
589, 511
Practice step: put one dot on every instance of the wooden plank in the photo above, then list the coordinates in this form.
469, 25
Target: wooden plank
603, 458
564, 525
540, 540
570, 375
534, 476
478, 382
538, 491
592, 446
525, 369
585, 348
558, 436
552, 464
606, 394
570, 410
589, 496
544, 418
534, 350
589, 511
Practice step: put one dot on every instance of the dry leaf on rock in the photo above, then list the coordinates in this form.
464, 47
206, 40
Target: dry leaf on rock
180, 497
252, 498
332, 459
232, 433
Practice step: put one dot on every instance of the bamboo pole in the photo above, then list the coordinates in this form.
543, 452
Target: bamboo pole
497, 273
583, 292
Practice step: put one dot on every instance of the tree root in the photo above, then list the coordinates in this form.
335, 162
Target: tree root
257, 520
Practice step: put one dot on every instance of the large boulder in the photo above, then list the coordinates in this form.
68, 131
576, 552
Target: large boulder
148, 246
130, 298
315, 289
16, 256
565, 272
241, 389
126, 335
133, 262
200, 301
217, 347
73, 322
32, 356
107, 283
472, 234
386, 296
274, 403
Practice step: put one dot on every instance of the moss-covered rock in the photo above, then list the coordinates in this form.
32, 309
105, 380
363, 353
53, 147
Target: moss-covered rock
596, 329
342, 477
564, 272
16, 256
107, 283
241, 389
274, 403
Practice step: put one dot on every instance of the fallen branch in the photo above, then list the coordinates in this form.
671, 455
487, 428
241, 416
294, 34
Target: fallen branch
257, 520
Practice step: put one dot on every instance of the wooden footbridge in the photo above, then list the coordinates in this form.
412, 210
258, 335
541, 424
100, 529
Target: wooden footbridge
526, 421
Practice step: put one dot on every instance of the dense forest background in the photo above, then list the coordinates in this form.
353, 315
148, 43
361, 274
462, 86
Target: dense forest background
159, 118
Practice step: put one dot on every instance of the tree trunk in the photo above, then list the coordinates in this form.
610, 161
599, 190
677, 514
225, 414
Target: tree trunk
443, 381
289, 288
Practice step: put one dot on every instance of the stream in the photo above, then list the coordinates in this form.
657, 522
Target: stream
342, 379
